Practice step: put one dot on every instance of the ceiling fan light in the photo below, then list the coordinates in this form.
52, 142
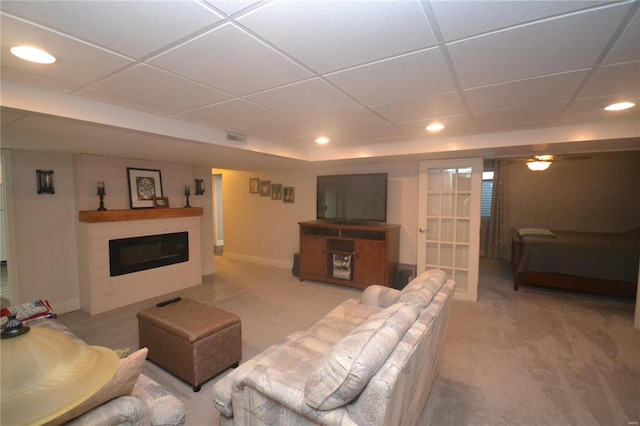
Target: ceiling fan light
538, 166
33, 54
619, 106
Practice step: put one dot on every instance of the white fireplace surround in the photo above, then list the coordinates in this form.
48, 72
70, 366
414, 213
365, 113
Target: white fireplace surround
99, 292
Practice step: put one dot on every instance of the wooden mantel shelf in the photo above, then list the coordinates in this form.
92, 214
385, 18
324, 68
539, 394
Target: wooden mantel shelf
92, 216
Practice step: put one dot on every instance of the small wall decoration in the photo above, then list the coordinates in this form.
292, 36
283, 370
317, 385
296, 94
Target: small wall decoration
144, 184
265, 188
199, 186
289, 194
161, 202
254, 185
276, 191
45, 182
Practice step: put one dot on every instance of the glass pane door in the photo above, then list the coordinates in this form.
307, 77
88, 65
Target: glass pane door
449, 221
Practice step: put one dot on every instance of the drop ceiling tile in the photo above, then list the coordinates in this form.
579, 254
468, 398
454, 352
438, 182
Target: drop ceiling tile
365, 135
350, 123
455, 125
459, 19
109, 98
613, 80
544, 115
307, 143
77, 63
592, 110
141, 84
332, 35
548, 47
8, 117
408, 76
305, 98
70, 126
187, 117
231, 60
231, 7
35, 80
421, 108
135, 28
237, 114
136, 145
627, 47
357, 125
43, 139
287, 129
533, 91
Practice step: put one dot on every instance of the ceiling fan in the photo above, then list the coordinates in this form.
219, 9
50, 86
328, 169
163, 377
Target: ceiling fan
539, 163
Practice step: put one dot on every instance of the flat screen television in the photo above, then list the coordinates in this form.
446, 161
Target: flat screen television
358, 198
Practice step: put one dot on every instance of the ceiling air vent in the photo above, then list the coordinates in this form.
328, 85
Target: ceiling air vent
234, 137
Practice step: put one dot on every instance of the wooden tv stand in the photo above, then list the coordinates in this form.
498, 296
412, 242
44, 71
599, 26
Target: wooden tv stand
350, 255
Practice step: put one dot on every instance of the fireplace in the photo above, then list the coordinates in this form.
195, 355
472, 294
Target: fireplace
135, 254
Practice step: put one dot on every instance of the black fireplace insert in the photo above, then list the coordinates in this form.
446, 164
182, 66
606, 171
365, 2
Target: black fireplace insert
135, 254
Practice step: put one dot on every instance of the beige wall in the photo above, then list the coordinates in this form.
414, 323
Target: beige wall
45, 230
262, 230
596, 195
45, 225
587, 195
601, 194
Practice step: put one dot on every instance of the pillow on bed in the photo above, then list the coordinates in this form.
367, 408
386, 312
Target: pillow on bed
536, 232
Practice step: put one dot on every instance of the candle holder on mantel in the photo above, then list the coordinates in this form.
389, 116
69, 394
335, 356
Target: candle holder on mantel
187, 192
101, 194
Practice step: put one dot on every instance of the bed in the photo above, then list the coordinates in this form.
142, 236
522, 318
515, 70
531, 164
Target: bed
597, 263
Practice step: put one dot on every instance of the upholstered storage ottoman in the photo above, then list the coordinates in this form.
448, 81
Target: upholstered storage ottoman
192, 340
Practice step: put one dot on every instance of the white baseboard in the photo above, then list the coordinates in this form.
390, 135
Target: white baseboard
259, 260
64, 307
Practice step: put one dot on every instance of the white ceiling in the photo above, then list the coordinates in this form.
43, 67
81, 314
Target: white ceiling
164, 80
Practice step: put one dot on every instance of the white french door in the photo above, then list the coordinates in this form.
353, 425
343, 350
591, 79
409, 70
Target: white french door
449, 221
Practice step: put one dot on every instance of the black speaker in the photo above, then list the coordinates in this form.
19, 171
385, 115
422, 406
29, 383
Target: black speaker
404, 274
296, 265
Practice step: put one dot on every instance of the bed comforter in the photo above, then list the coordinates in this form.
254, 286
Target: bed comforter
610, 256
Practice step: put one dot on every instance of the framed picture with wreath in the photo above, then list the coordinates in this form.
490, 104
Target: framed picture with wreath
144, 185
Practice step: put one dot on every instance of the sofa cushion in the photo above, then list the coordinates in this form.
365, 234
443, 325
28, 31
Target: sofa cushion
121, 383
422, 289
346, 369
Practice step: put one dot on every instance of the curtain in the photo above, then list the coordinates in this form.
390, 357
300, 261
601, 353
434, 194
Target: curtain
499, 239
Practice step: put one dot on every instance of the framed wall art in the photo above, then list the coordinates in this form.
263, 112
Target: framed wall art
289, 194
254, 185
144, 185
276, 191
161, 202
265, 188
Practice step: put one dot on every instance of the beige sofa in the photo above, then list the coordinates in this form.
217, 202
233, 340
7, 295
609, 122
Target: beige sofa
368, 362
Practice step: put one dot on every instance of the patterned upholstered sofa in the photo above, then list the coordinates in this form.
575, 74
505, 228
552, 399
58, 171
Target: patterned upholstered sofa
147, 404
368, 362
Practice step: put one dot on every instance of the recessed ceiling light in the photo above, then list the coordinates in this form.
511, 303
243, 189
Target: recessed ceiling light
619, 106
32, 54
435, 127
322, 140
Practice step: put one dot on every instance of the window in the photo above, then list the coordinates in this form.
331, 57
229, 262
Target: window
487, 191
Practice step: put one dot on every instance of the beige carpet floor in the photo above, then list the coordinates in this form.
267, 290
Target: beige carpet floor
530, 357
